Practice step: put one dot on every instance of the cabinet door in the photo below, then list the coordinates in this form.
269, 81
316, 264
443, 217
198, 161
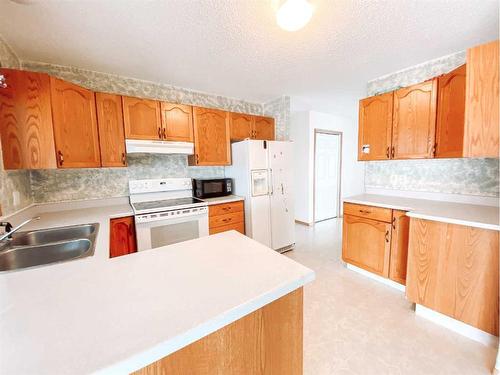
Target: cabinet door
399, 246
141, 118
111, 132
414, 121
242, 126
75, 125
375, 127
366, 243
264, 128
122, 238
481, 101
177, 122
26, 121
450, 114
211, 137
11, 129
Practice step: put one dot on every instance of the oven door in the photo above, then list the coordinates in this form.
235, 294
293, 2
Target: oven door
162, 232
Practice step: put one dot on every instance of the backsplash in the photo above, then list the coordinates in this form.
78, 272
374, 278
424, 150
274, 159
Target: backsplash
55, 185
454, 176
73, 184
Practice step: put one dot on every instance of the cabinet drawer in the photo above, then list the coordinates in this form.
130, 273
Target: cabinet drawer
221, 220
240, 227
370, 212
225, 208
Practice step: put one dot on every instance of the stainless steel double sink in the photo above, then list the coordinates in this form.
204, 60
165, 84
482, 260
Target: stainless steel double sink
47, 246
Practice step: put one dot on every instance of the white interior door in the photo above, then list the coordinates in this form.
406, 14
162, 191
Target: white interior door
326, 176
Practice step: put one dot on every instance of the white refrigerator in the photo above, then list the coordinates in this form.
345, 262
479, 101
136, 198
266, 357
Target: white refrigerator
262, 173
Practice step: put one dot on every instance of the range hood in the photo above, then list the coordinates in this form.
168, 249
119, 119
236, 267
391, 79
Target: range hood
158, 147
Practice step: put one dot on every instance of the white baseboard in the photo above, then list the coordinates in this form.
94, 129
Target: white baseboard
457, 326
378, 278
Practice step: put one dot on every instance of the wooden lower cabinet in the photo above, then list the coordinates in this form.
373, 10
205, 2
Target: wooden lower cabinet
366, 243
376, 239
453, 269
226, 216
122, 237
267, 341
399, 246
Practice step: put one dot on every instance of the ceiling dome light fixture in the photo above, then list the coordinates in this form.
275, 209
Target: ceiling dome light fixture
293, 15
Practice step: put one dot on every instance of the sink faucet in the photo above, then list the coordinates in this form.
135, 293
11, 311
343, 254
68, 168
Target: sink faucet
9, 230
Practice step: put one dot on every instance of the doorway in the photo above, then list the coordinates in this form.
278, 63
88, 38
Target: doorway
327, 166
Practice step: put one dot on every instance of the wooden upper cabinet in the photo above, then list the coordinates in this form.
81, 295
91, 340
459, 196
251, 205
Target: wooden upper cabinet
366, 244
450, 114
211, 137
141, 118
26, 121
75, 125
264, 128
375, 127
481, 101
177, 122
111, 132
242, 126
414, 121
122, 236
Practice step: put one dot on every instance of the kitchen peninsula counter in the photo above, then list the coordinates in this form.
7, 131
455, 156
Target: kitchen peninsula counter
102, 315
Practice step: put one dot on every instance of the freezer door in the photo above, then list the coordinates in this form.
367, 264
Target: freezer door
281, 194
258, 218
257, 155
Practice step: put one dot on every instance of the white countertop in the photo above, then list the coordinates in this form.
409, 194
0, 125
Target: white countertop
479, 216
118, 315
221, 200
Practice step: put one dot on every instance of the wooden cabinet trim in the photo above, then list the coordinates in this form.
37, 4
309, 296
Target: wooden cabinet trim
135, 128
177, 128
264, 128
369, 212
399, 246
225, 208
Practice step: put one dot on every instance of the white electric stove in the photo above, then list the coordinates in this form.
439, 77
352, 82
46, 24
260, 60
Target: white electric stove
166, 212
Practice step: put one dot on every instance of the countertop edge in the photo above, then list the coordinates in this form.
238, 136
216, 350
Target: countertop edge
475, 224
383, 205
164, 349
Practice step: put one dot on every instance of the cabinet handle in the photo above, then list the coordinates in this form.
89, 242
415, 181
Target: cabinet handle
393, 152
434, 148
60, 157
197, 157
124, 159
387, 236
159, 132
387, 152
365, 211
164, 132
226, 220
226, 208
394, 223
3, 84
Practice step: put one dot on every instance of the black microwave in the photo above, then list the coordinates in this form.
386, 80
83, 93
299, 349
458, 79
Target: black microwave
210, 188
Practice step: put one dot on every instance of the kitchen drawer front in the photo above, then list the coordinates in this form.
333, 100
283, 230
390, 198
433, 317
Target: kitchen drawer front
221, 220
240, 227
369, 212
225, 208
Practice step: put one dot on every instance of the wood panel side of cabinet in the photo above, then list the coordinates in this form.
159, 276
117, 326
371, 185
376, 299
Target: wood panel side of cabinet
111, 130
75, 125
481, 137
211, 137
451, 114
366, 243
414, 121
399, 246
453, 269
264, 128
122, 236
242, 126
177, 122
267, 341
375, 127
142, 118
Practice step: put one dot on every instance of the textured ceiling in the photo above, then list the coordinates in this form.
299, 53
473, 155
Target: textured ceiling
234, 48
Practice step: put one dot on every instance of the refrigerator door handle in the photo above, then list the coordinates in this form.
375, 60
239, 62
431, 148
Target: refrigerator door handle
271, 182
